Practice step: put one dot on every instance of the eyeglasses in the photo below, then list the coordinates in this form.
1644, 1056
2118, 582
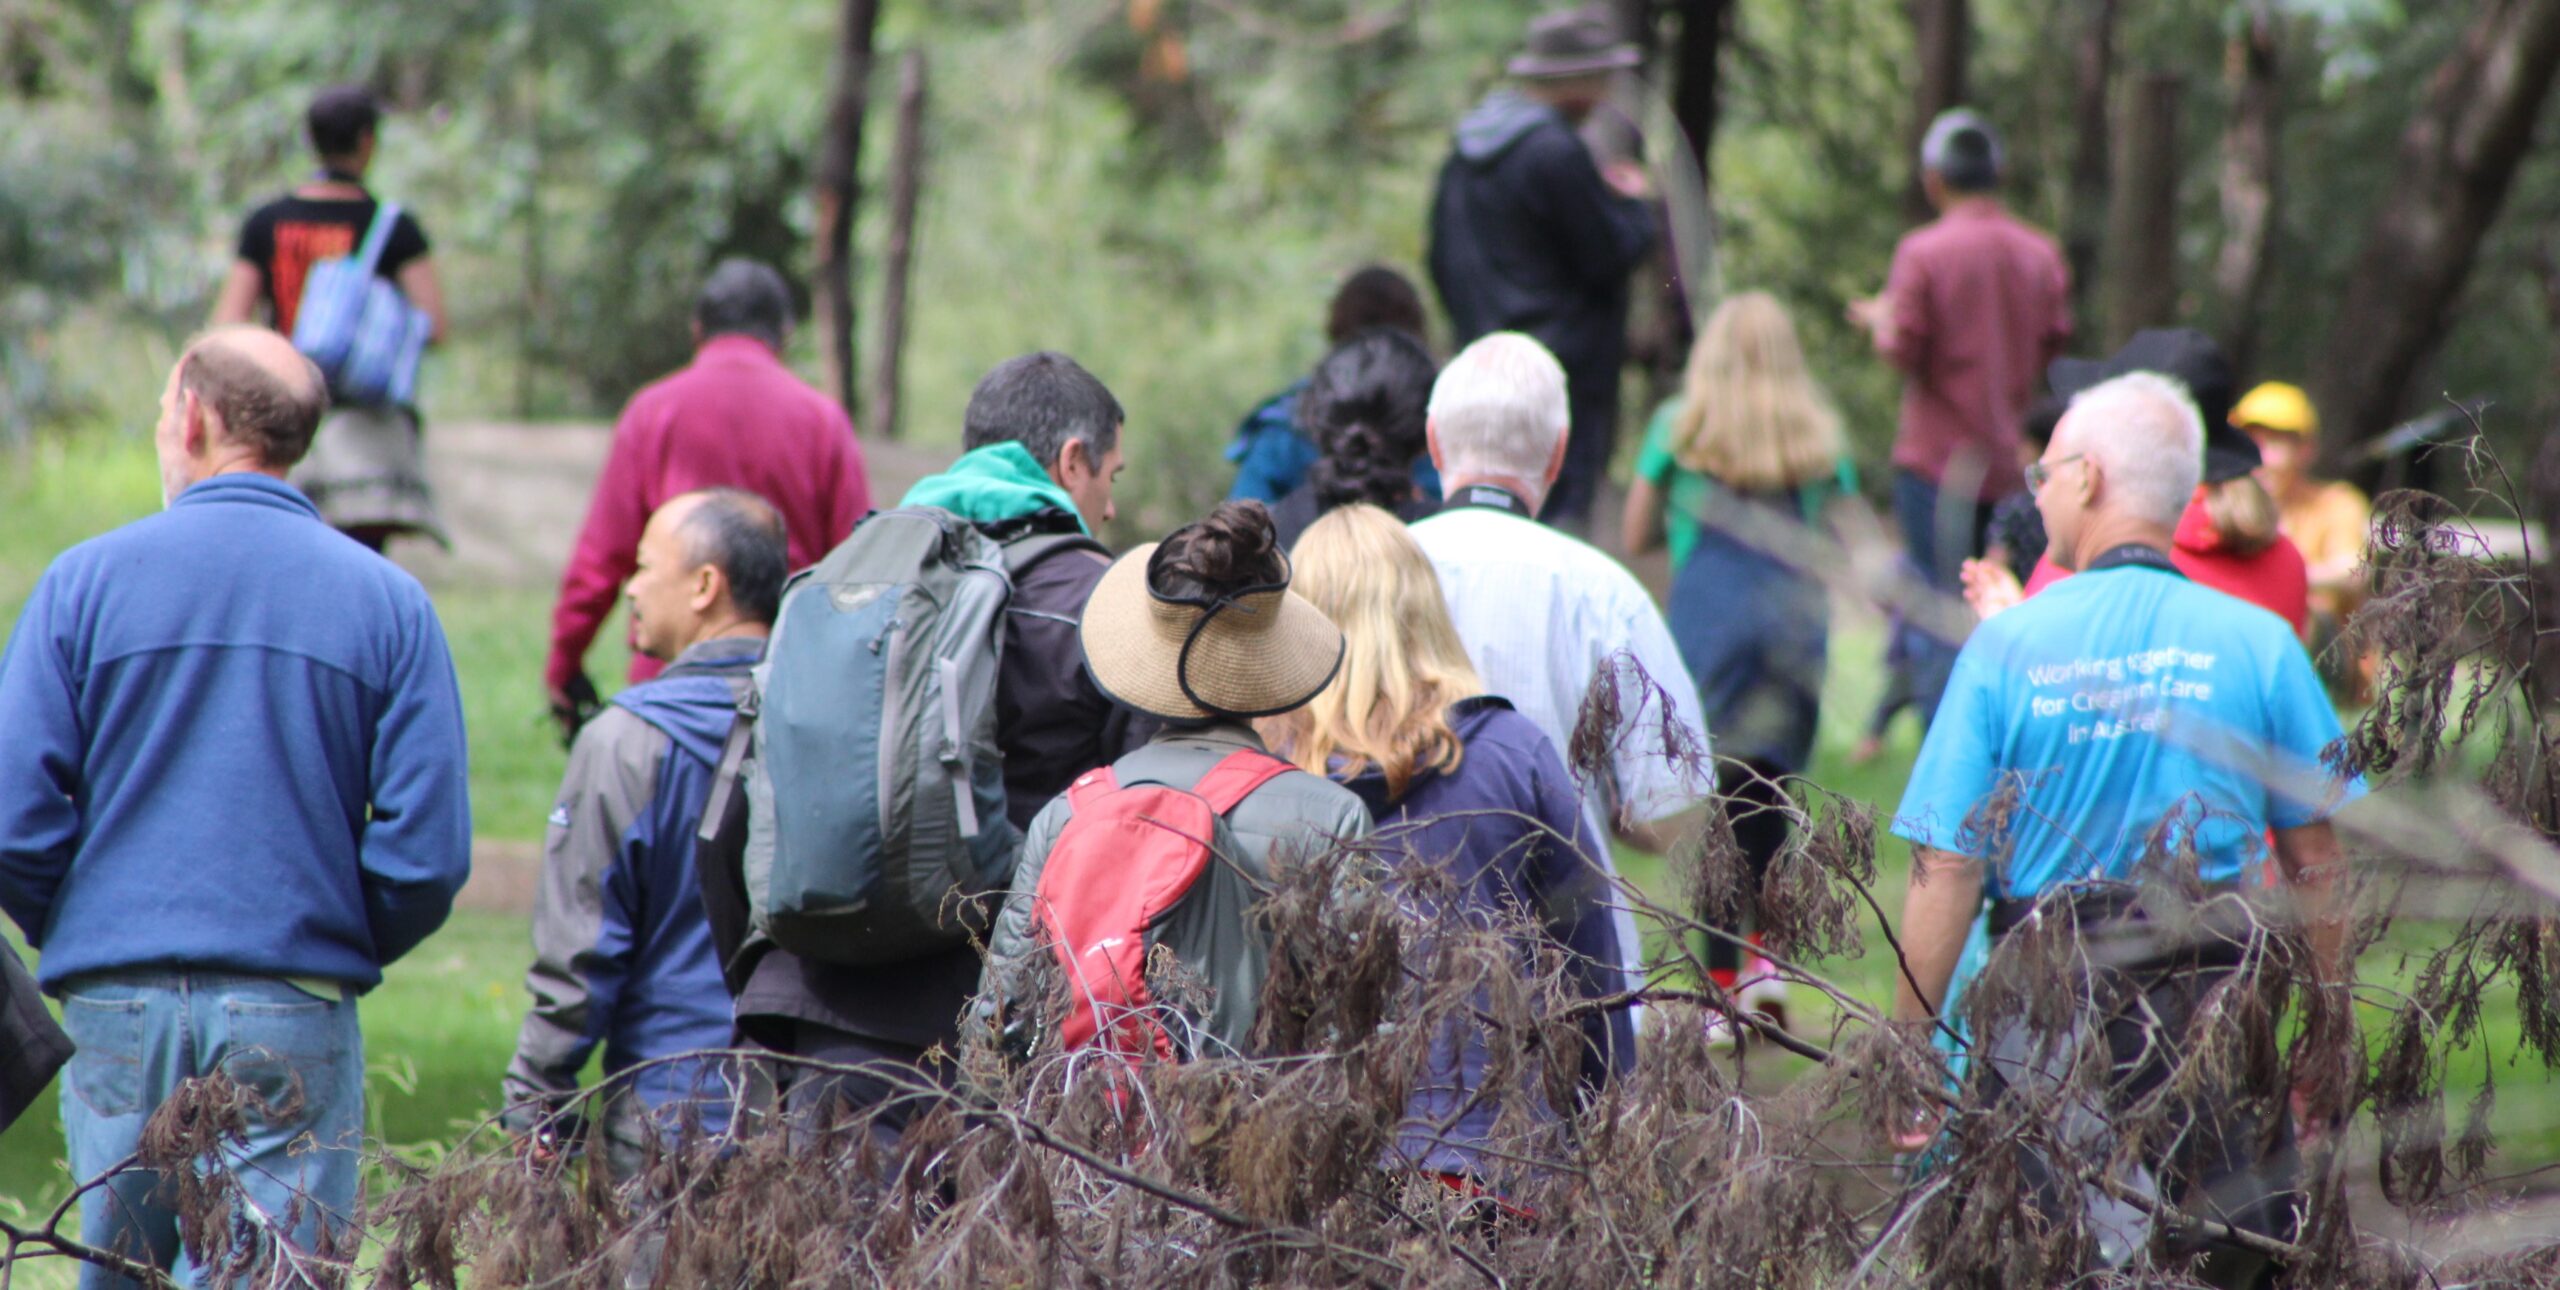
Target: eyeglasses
2041, 471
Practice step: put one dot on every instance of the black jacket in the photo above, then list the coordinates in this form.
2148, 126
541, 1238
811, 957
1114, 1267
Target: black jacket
32, 1045
1526, 236
1053, 724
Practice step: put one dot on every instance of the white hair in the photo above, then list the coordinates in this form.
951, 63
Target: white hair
2144, 432
1499, 408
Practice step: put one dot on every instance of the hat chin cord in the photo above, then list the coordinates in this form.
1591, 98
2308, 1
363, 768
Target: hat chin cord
1182, 662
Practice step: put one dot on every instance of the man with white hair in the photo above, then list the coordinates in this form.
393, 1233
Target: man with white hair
1547, 617
2131, 713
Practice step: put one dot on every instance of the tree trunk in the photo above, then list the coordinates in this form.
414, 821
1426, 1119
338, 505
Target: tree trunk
2456, 159
1940, 30
2093, 63
1697, 77
906, 167
2142, 216
840, 195
1614, 133
2248, 181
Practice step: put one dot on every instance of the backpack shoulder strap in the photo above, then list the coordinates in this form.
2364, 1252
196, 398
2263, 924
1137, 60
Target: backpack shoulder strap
1023, 552
377, 238
1235, 777
1090, 787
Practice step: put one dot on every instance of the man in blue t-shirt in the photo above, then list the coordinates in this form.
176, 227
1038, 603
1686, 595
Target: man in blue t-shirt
2120, 706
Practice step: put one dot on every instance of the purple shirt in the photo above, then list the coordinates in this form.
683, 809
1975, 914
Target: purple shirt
1981, 302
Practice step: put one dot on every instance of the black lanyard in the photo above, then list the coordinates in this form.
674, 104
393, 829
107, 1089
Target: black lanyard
1490, 497
2134, 555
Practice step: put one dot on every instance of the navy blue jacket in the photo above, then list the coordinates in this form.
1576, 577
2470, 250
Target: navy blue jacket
232, 742
623, 953
1505, 832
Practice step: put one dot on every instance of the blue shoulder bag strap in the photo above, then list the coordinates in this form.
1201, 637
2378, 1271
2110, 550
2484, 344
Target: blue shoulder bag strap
378, 236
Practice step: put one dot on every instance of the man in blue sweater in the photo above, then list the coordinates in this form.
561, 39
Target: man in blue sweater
623, 954
232, 790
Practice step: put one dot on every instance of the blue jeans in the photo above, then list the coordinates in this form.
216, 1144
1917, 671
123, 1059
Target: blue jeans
299, 1055
1938, 536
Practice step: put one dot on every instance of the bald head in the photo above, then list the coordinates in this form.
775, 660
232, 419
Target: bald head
258, 392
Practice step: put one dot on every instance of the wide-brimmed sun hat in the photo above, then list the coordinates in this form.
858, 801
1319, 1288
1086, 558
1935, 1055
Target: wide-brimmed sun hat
1577, 42
1194, 657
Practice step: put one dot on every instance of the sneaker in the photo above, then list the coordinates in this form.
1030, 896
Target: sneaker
1763, 991
1720, 1031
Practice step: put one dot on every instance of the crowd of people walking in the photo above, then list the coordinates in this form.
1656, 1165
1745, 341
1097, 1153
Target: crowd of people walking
1390, 639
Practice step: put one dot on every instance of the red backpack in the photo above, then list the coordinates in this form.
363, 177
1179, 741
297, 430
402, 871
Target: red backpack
1149, 865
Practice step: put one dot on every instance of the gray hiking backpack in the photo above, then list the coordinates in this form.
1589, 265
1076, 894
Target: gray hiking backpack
876, 825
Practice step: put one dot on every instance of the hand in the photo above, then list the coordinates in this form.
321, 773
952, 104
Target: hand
1990, 587
1628, 179
1872, 315
574, 705
1919, 1130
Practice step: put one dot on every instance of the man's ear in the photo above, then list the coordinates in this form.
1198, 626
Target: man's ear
1431, 442
709, 586
1555, 460
1075, 460
198, 425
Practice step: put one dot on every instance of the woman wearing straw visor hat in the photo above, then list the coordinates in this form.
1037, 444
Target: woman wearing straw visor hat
1201, 632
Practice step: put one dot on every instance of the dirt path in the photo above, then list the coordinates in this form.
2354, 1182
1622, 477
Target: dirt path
513, 495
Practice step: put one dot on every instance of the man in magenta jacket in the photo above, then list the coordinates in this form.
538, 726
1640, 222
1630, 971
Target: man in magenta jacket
735, 417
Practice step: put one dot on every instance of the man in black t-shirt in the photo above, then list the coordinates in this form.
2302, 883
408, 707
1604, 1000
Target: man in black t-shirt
363, 470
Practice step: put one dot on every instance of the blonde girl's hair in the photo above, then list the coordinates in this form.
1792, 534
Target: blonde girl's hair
1402, 662
2244, 515
1751, 416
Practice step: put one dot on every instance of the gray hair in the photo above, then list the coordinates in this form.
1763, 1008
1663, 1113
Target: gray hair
1499, 408
1044, 402
741, 535
1964, 150
2144, 432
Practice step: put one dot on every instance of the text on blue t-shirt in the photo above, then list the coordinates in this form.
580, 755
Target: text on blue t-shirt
2116, 701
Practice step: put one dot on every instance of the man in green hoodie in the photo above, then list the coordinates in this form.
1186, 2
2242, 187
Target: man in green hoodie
1043, 439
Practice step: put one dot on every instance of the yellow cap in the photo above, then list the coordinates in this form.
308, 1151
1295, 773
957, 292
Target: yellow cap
2277, 406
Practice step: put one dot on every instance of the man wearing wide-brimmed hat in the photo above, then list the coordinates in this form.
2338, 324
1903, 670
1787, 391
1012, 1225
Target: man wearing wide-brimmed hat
1530, 234
1200, 632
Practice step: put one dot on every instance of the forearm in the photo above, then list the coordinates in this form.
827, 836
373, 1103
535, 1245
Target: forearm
238, 300
1642, 530
2312, 866
1660, 836
1945, 893
415, 850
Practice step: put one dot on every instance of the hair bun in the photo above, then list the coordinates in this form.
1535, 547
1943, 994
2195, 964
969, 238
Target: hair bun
1234, 548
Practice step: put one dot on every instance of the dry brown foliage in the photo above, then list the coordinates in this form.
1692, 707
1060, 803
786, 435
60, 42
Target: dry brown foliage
1084, 1170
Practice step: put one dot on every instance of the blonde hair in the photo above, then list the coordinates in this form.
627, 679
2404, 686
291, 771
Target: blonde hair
1402, 662
1750, 415
2243, 515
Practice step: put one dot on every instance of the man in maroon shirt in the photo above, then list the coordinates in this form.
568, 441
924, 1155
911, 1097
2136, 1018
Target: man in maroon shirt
1977, 303
735, 417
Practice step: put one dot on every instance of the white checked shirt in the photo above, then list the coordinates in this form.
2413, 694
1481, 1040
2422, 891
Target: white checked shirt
1541, 612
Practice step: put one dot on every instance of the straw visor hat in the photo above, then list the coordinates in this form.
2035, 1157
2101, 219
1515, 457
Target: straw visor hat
1259, 653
